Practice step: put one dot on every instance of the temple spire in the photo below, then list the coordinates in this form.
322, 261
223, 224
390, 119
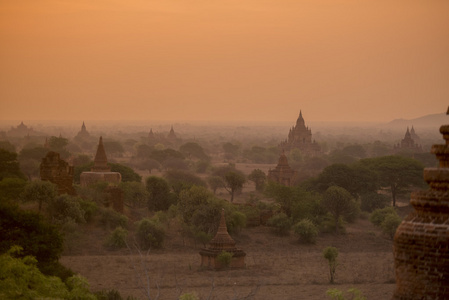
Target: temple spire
101, 161
222, 239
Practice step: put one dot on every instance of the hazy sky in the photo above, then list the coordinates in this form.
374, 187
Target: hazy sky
337, 60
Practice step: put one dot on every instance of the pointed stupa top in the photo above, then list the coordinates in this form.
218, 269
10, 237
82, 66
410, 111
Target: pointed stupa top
151, 134
172, 134
101, 161
300, 120
222, 240
407, 133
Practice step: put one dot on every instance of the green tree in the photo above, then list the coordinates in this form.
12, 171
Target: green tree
59, 144
149, 164
306, 230
6, 145
339, 203
175, 164
191, 199
379, 215
180, 180
215, 182
35, 153
396, 173
331, 254
387, 219
372, 201
192, 149
65, 208
150, 234
127, 173
258, 177
21, 279
28, 230
356, 179
390, 224
158, 190
230, 150
134, 193
9, 165
40, 192
280, 224
117, 238
234, 181
11, 188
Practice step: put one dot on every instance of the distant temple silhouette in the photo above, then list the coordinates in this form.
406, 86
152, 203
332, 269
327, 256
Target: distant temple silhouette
300, 137
171, 138
21, 130
83, 133
409, 142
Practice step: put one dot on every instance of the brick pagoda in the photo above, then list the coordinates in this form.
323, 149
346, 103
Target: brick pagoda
421, 243
222, 242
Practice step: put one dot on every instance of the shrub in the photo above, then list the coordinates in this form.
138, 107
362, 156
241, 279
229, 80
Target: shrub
280, 224
379, 215
111, 219
306, 230
200, 236
225, 258
336, 294
331, 254
150, 234
372, 201
89, 208
117, 239
236, 222
65, 208
189, 296
327, 224
390, 224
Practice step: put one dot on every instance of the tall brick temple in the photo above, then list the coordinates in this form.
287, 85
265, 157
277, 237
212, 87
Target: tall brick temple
421, 242
300, 137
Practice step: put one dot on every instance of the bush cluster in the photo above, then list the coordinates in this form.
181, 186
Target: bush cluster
387, 219
150, 234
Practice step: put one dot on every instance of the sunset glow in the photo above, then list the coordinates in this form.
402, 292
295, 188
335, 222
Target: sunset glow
344, 60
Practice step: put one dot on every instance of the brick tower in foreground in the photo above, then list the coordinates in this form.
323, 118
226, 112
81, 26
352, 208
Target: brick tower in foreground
421, 243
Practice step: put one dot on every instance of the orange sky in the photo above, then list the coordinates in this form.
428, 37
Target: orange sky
233, 60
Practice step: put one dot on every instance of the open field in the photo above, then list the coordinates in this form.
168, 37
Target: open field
277, 267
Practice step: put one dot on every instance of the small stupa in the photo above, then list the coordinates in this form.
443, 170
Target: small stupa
100, 172
421, 242
282, 174
222, 242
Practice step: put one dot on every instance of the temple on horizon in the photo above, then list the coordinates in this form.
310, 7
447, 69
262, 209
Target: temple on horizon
300, 137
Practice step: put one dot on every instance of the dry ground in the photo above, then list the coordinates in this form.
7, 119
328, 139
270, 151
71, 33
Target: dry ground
277, 267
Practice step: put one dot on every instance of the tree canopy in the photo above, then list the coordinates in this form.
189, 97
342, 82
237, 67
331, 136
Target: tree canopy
396, 173
9, 165
339, 203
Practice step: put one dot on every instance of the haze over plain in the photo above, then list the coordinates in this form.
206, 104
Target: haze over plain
231, 60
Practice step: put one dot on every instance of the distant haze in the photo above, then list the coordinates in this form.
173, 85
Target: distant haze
236, 60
